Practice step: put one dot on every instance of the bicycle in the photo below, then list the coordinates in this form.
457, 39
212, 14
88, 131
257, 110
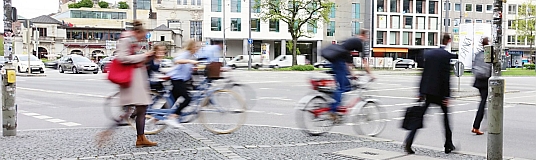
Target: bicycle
360, 109
202, 103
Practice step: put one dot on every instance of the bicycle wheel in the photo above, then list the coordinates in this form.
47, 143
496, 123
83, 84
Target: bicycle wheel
221, 118
370, 120
153, 125
113, 110
314, 118
244, 90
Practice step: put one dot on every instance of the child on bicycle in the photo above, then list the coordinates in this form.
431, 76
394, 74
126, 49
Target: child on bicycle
179, 76
153, 66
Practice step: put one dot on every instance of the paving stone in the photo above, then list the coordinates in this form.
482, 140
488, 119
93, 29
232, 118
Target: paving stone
370, 153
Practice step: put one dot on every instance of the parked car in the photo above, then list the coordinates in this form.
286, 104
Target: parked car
21, 63
323, 64
105, 61
77, 64
405, 63
52, 64
166, 63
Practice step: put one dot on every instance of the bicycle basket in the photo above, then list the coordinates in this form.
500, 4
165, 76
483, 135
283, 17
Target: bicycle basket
323, 84
213, 70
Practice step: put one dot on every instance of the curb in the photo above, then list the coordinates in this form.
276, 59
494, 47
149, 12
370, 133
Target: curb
31, 75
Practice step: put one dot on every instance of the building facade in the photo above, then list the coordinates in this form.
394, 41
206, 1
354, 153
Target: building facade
236, 24
345, 20
50, 35
519, 49
405, 28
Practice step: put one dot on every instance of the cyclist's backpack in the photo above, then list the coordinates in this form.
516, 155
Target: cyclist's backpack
481, 69
333, 52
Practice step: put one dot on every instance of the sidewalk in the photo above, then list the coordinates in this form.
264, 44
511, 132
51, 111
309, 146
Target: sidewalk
193, 142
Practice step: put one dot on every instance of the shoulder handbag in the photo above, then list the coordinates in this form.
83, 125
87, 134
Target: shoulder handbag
120, 73
413, 119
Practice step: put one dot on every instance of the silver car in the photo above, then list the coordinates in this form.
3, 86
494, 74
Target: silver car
166, 63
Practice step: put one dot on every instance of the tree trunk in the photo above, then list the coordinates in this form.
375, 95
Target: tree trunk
294, 53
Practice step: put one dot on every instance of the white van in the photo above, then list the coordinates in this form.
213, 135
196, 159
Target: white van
20, 61
242, 61
286, 61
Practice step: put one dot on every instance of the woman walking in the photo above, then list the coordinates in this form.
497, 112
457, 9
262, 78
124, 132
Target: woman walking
137, 94
482, 72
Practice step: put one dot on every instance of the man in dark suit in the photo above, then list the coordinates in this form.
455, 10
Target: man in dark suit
435, 89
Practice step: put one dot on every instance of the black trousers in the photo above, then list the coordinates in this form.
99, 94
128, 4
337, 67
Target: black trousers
480, 113
448, 133
180, 89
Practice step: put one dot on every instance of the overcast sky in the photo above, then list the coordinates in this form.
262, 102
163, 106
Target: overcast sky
35, 8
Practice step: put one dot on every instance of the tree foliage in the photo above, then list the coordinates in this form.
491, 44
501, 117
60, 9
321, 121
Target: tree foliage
297, 14
82, 4
123, 5
103, 4
525, 23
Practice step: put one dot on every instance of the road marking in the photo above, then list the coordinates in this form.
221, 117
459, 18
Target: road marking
60, 92
42, 117
56, 120
31, 114
70, 124
50, 119
472, 110
264, 88
22, 111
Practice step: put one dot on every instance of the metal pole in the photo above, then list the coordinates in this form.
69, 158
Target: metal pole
9, 109
134, 8
224, 29
496, 94
249, 45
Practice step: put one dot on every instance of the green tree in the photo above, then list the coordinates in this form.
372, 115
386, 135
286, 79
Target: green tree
297, 14
525, 24
82, 4
123, 5
290, 45
103, 4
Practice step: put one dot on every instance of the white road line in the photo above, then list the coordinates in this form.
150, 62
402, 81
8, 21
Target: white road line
56, 120
402, 104
264, 88
70, 124
42, 117
387, 105
60, 92
472, 110
31, 114
273, 113
398, 118
22, 111
459, 112
399, 110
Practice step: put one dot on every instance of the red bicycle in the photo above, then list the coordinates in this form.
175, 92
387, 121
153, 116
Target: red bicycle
313, 110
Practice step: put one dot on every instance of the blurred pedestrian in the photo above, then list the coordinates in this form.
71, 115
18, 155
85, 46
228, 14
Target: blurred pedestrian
482, 72
137, 93
435, 89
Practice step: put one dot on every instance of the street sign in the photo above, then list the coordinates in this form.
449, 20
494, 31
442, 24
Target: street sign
148, 35
458, 69
250, 41
111, 44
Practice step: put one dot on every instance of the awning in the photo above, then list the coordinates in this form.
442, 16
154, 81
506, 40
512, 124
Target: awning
400, 50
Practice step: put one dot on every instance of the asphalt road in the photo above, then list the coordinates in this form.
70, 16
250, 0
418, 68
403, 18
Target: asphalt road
75, 101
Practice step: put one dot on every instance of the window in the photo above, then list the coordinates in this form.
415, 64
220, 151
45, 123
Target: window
255, 9
274, 25
236, 24
457, 7
185, 2
512, 9
198, 2
468, 21
162, 38
215, 6
479, 8
395, 22
419, 36
433, 7
488, 21
408, 22
236, 6
511, 39
456, 22
406, 6
355, 27
331, 29
406, 38
215, 24
393, 38
255, 25
434, 23
356, 10
381, 5
420, 6
98, 14
332, 11
394, 5
312, 27
382, 21
420, 23
196, 30
510, 24
380, 37
42, 32
468, 7
489, 8
159, 2
432, 39
478, 21
143, 4
446, 22
446, 6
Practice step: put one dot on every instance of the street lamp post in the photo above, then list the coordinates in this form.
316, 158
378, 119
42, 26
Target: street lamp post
223, 26
249, 45
9, 109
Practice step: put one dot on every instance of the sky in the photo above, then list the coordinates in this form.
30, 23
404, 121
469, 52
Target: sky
35, 8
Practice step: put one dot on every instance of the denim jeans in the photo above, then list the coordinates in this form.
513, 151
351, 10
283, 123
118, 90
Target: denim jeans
341, 71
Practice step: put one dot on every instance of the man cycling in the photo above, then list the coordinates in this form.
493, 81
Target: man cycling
342, 64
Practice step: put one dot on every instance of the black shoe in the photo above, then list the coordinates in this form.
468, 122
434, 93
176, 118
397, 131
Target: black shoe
408, 150
449, 149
